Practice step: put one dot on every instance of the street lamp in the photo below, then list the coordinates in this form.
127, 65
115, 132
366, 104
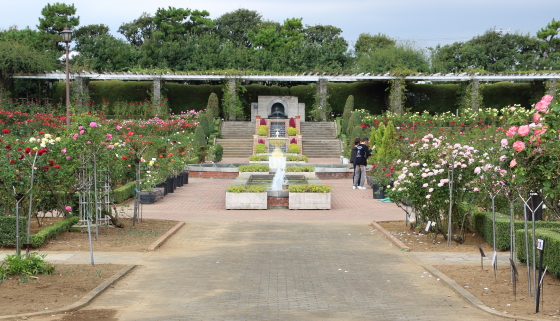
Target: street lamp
67, 38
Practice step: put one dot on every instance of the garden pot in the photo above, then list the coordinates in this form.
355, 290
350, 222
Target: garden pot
164, 186
170, 185
179, 180
147, 197
186, 177
378, 191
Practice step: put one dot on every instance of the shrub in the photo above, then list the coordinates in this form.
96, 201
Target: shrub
124, 192
263, 130
260, 148
8, 229
309, 188
292, 131
213, 106
293, 148
218, 152
28, 264
246, 189
254, 168
258, 158
551, 238
299, 169
52, 231
296, 158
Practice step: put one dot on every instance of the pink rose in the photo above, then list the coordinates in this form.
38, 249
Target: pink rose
504, 142
68, 157
93, 124
536, 117
82, 132
511, 131
512, 163
75, 136
63, 151
518, 146
547, 98
541, 106
523, 130
68, 208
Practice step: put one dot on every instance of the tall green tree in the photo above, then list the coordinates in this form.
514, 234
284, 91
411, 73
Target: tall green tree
173, 24
19, 58
368, 43
403, 55
137, 31
57, 16
235, 26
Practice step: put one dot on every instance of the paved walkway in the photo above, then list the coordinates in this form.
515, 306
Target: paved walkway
275, 264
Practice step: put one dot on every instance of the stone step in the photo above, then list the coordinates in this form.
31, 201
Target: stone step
237, 129
321, 148
236, 148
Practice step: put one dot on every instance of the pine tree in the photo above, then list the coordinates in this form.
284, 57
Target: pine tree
213, 106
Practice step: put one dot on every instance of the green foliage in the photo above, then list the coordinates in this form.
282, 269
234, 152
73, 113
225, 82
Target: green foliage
292, 131
173, 24
213, 106
200, 144
309, 188
231, 101
27, 264
262, 130
8, 229
347, 113
246, 189
123, 193
354, 122
296, 158
299, 169
386, 149
254, 168
387, 58
258, 158
294, 148
368, 43
56, 17
207, 123
52, 231
235, 26
217, 152
260, 148
551, 239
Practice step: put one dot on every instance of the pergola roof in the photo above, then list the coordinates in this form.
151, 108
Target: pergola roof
303, 77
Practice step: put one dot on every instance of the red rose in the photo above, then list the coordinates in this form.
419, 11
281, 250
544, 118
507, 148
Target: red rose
51, 163
57, 166
5, 131
27, 150
124, 157
12, 161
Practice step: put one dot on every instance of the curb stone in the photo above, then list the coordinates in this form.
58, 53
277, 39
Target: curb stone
451, 283
85, 300
159, 242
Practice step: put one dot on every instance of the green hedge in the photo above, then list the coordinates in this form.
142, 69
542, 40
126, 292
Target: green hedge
551, 258
124, 192
483, 225
299, 169
246, 189
254, 168
505, 93
8, 229
309, 188
52, 231
187, 97
433, 98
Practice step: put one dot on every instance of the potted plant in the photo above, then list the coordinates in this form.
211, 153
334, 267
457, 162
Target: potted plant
381, 176
309, 197
246, 197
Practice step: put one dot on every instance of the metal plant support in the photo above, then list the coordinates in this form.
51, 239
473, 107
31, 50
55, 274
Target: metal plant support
534, 242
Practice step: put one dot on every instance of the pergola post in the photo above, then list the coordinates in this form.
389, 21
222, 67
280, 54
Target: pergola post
552, 85
396, 96
157, 95
81, 89
232, 87
475, 95
322, 93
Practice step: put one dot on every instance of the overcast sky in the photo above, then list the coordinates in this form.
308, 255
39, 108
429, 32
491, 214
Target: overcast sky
426, 22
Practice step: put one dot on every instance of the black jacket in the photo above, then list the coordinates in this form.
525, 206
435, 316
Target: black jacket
362, 154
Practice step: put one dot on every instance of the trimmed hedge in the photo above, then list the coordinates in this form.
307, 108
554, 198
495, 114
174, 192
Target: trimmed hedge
483, 225
246, 189
52, 231
124, 192
299, 169
254, 168
551, 257
309, 188
8, 229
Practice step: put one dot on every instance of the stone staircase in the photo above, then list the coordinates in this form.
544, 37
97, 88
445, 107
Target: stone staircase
237, 139
319, 140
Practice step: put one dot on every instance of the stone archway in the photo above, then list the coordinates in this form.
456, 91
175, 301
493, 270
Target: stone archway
277, 108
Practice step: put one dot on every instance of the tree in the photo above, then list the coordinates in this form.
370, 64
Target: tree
105, 53
56, 17
213, 106
236, 25
18, 58
403, 55
348, 109
91, 31
273, 36
550, 45
368, 43
137, 31
174, 24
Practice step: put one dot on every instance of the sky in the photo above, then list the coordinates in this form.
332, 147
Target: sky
427, 23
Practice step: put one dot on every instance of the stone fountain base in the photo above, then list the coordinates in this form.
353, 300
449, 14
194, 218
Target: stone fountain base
276, 162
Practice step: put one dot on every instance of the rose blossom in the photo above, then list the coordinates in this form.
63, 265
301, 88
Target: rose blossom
68, 208
504, 142
523, 130
518, 146
512, 163
63, 151
93, 124
511, 131
536, 117
542, 107
547, 98
82, 132
75, 137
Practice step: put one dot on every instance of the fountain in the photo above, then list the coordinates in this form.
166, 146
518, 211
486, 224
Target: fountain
277, 160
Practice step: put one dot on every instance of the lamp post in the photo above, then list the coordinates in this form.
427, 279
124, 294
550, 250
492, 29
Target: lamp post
67, 38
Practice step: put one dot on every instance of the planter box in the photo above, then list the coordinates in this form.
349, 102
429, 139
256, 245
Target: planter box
246, 201
309, 201
147, 197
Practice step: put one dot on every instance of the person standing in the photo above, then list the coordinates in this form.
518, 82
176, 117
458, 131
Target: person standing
362, 154
353, 158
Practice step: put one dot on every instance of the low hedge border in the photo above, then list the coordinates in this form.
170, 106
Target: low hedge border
309, 188
52, 231
483, 225
551, 239
254, 168
299, 169
124, 192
